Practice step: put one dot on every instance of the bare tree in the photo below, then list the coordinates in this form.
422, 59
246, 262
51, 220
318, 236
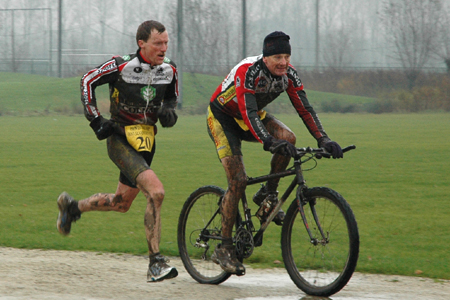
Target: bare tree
443, 50
336, 53
339, 33
204, 45
412, 26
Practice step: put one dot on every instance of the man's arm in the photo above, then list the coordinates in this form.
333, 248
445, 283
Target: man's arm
306, 112
171, 93
248, 106
299, 100
103, 74
166, 114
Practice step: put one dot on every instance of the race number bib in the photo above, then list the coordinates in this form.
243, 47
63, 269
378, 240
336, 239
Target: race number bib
141, 137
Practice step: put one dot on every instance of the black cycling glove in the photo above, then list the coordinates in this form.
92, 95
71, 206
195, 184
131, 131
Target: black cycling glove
282, 147
102, 127
167, 116
334, 149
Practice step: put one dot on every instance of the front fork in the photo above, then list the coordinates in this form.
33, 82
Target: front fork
302, 202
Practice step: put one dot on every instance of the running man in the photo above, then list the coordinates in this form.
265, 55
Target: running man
143, 89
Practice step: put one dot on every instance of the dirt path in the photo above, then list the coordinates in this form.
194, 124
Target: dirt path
38, 274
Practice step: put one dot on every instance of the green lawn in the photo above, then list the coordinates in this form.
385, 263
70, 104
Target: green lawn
397, 182
24, 95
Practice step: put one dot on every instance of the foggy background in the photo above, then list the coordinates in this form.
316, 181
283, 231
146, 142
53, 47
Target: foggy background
348, 34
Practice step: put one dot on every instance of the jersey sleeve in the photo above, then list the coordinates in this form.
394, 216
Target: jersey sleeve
171, 93
299, 100
245, 92
105, 73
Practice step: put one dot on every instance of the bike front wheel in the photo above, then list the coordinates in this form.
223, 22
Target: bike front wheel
321, 265
199, 224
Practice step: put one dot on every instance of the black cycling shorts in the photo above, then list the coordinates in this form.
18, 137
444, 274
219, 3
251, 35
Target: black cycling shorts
130, 162
227, 134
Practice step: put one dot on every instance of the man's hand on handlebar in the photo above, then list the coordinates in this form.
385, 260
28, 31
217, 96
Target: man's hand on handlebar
331, 147
282, 147
334, 149
322, 152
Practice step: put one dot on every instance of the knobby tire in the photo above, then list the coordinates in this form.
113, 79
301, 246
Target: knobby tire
325, 268
197, 211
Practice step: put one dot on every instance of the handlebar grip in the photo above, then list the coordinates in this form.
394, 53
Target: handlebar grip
328, 155
348, 148
325, 154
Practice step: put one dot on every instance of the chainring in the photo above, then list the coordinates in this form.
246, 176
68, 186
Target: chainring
244, 243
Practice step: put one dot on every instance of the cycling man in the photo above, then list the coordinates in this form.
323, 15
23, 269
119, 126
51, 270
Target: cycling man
236, 114
143, 89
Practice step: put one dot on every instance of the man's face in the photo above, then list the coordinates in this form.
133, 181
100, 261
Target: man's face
277, 64
154, 49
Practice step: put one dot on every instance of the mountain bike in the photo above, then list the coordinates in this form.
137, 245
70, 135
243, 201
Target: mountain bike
319, 236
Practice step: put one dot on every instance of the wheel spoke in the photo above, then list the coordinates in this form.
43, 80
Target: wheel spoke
324, 265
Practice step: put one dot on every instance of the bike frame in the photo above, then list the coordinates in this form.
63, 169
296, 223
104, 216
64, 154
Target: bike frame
297, 181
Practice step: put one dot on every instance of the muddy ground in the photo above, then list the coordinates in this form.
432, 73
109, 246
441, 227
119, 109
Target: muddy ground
39, 274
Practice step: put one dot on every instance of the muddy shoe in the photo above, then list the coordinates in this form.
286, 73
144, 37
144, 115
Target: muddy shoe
260, 195
158, 269
225, 256
279, 218
68, 213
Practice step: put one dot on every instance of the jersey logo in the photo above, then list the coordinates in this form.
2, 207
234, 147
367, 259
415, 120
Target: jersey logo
294, 74
263, 85
227, 95
115, 95
126, 57
279, 86
148, 93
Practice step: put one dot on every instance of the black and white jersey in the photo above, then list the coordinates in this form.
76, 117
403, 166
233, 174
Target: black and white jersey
136, 88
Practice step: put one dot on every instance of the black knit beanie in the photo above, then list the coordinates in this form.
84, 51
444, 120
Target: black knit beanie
276, 42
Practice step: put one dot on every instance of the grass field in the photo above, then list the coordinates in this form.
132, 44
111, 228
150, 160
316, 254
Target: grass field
397, 182
25, 95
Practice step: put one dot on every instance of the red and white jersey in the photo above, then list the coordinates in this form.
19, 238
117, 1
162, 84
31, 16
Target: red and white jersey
250, 87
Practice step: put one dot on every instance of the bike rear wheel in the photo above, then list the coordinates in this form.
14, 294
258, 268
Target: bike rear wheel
200, 218
321, 266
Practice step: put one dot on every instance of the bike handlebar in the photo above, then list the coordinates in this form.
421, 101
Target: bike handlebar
321, 152
348, 148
